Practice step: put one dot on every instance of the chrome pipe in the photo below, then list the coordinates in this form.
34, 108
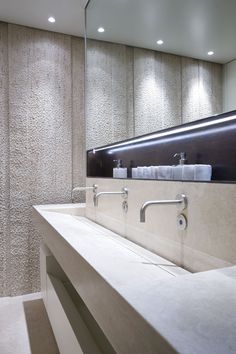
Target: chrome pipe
181, 200
94, 188
123, 193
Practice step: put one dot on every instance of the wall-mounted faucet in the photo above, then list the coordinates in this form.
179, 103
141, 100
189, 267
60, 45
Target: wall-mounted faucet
93, 188
180, 200
123, 193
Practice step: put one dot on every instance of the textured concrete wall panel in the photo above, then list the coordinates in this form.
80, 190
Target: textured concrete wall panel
108, 93
78, 119
201, 89
98, 94
171, 90
4, 160
41, 96
190, 89
157, 90
40, 140
162, 90
148, 104
120, 98
205, 89
217, 88
130, 92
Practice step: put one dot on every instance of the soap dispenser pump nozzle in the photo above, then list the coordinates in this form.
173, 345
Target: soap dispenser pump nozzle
182, 156
118, 163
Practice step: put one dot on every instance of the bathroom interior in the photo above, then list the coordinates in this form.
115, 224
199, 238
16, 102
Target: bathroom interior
117, 177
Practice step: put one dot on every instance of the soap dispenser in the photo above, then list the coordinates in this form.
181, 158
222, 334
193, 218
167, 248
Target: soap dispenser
182, 155
186, 172
119, 171
178, 169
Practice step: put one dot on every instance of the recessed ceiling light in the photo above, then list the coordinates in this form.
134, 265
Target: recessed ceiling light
211, 52
101, 30
160, 42
51, 19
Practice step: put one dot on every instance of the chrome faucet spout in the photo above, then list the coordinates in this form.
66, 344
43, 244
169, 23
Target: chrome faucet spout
123, 193
181, 200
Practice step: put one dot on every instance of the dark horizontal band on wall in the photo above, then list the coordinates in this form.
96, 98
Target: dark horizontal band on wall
207, 141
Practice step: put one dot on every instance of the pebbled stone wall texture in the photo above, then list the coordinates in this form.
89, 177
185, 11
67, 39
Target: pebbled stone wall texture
109, 93
157, 93
4, 161
202, 85
78, 118
41, 76
134, 91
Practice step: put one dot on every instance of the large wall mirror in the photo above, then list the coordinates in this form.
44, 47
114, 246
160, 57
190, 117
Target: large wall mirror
154, 64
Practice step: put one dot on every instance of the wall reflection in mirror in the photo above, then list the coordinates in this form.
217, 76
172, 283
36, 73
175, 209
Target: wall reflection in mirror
155, 64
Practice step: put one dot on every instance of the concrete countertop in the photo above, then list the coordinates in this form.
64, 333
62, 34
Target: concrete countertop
195, 313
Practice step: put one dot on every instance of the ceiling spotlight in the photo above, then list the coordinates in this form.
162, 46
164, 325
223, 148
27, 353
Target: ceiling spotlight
160, 42
211, 52
101, 30
51, 19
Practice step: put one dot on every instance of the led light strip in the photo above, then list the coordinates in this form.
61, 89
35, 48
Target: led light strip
174, 131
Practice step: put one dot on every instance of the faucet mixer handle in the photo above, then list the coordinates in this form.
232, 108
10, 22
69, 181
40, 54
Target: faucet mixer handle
182, 156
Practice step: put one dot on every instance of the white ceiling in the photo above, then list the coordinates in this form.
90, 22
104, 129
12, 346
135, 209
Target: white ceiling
69, 14
188, 27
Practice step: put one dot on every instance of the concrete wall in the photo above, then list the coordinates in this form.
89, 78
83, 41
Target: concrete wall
202, 85
109, 93
41, 140
4, 161
133, 91
229, 86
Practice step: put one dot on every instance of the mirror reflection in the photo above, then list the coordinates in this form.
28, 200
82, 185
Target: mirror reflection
156, 64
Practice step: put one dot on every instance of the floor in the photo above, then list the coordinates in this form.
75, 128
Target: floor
24, 326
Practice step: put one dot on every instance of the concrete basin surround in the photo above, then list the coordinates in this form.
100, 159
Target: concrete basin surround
142, 302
